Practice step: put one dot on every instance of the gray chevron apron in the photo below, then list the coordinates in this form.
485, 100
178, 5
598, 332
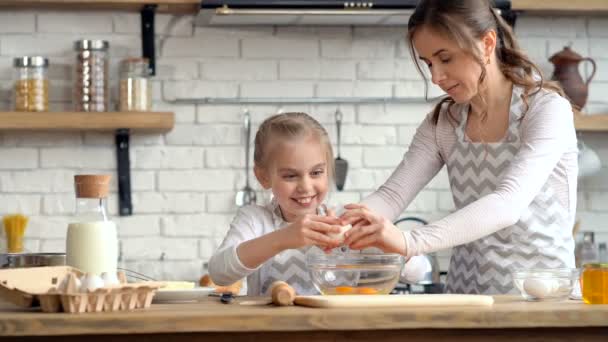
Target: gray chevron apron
288, 266
540, 239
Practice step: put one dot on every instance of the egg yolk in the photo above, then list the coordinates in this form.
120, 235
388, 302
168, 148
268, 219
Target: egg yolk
367, 290
345, 290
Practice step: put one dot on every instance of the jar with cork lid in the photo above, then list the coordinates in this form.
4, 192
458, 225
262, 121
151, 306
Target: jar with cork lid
31, 84
92, 243
91, 91
135, 86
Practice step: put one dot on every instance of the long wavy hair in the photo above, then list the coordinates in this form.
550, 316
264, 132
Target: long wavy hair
466, 22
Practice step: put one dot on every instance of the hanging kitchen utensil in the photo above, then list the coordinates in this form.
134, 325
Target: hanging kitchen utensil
341, 165
246, 195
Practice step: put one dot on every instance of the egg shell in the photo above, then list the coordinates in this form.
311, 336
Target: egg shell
540, 288
340, 235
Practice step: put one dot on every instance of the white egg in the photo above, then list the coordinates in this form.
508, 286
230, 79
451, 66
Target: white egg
340, 235
540, 288
91, 282
110, 279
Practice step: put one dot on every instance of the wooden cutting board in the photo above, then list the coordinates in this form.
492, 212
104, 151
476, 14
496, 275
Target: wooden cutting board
347, 301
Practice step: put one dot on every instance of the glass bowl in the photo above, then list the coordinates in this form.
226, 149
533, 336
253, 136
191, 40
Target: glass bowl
354, 273
546, 284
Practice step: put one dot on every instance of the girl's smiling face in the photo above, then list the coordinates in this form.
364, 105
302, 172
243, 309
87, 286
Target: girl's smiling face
298, 176
452, 69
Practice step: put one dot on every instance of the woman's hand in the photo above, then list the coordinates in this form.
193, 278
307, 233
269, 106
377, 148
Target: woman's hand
311, 230
371, 230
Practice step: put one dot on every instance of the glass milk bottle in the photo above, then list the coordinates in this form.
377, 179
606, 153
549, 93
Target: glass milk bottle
92, 243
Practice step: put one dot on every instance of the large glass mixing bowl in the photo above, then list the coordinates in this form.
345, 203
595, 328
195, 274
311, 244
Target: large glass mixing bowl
354, 273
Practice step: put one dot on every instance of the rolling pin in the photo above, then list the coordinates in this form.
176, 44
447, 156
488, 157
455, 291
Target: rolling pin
281, 294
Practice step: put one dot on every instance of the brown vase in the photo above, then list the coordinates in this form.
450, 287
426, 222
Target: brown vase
566, 73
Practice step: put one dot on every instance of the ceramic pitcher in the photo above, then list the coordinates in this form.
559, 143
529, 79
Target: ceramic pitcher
566, 64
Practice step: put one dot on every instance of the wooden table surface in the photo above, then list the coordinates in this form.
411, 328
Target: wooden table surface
510, 317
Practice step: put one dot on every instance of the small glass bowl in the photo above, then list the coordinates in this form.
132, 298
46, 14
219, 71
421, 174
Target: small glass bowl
546, 284
354, 273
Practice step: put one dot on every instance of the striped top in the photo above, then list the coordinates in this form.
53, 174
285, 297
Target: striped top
547, 155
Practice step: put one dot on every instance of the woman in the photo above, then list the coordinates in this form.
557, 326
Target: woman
508, 140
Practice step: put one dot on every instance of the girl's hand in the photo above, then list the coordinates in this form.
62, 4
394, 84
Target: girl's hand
312, 230
371, 230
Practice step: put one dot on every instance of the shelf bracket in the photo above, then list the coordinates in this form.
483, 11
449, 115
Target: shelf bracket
147, 36
125, 207
510, 16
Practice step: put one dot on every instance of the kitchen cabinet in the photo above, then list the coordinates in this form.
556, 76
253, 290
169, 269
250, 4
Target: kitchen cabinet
146, 122
509, 319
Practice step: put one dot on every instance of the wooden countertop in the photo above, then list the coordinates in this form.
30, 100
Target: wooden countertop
212, 316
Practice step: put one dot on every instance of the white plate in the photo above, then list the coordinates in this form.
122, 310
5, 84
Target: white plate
186, 295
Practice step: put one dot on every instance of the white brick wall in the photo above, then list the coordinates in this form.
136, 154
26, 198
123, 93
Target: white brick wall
184, 182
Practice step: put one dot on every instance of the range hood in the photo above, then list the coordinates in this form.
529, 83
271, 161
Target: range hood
310, 12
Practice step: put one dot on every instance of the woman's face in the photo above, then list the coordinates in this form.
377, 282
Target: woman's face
452, 69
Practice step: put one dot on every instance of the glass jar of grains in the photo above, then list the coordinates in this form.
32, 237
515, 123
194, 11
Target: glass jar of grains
91, 92
135, 86
31, 89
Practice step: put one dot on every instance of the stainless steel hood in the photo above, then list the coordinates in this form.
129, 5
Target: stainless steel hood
310, 12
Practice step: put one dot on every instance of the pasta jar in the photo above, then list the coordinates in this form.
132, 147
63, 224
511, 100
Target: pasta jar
31, 89
135, 86
91, 92
595, 283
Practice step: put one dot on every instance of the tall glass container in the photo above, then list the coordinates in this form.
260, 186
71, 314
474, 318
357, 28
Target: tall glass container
31, 87
91, 92
135, 86
92, 243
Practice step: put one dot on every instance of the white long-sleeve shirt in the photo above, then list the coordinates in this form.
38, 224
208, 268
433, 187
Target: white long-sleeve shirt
548, 153
253, 221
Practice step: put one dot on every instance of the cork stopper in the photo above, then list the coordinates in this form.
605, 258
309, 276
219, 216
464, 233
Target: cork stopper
92, 186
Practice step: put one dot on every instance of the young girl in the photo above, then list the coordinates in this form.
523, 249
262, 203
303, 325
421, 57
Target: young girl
293, 158
508, 140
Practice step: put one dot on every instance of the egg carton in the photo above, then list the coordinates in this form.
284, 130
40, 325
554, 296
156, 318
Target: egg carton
56, 289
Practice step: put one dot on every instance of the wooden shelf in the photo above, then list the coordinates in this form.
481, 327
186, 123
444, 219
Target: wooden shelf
562, 6
150, 122
192, 6
591, 122
164, 6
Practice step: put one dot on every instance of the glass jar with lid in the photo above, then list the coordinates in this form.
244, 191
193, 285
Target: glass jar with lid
31, 87
135, 86
595, 283
91, 93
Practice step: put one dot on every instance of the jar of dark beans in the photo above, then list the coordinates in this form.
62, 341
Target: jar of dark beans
91, 93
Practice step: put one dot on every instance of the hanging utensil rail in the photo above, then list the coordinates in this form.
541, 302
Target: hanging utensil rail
302, 100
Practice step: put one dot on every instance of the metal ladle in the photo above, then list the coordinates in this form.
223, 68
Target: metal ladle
246, 195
